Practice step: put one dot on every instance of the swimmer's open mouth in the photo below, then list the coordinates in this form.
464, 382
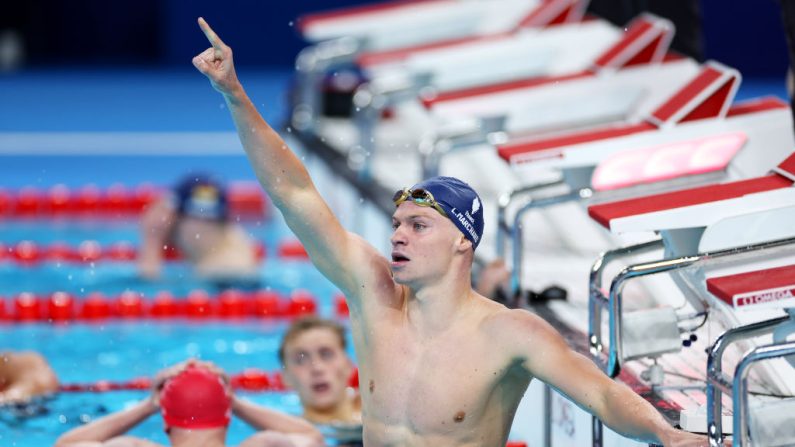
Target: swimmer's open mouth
320, 387
398, 257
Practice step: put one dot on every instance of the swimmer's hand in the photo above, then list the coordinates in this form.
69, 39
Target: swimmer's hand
681, 438
165, 374
216, 62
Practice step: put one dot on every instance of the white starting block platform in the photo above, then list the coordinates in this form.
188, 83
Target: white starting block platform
702, 107
546, 52
396, 24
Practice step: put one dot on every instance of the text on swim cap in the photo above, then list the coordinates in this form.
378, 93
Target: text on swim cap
466, 222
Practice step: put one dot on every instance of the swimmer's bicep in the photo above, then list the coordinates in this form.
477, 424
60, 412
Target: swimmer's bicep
343, 257
548, 357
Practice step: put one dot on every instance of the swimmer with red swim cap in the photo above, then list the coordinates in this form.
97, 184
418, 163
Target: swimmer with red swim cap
196, 404
439, 364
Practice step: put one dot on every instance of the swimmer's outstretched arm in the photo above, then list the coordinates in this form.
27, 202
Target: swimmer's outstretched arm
107, 431
546, 356
347, 260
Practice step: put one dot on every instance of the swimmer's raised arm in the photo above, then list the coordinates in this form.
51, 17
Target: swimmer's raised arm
342, 257
546, 356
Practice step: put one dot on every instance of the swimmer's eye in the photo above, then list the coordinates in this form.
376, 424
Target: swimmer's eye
419, 226
395, 225
327, 354
300, 359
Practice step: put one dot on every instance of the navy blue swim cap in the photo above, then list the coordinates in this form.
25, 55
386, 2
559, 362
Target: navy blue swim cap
201, 196
461, 203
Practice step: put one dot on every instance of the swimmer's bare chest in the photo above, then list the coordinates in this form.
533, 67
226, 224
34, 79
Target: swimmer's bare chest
455, 388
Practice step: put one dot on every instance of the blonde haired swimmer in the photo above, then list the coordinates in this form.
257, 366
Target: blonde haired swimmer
316, 366
439, 364
196, 405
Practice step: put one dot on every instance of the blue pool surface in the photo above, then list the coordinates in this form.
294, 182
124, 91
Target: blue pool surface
117, 350
120, 351
113, 278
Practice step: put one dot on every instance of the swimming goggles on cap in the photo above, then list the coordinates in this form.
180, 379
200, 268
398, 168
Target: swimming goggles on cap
419, 196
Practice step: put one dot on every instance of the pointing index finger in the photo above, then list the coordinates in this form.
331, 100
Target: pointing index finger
215, 41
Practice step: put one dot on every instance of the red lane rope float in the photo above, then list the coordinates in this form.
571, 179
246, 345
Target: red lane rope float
250, 379
341, 305
245, 199
61, 307
29, 253
292, 249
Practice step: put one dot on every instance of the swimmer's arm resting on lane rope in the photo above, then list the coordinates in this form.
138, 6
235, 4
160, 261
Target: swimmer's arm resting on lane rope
547, 356
24, 375
344, 258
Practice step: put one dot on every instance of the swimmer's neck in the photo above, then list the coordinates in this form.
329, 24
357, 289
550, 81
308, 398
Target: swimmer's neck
345, 412
435, 308
215, 437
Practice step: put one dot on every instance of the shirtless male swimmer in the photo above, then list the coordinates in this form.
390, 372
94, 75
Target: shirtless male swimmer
439, 364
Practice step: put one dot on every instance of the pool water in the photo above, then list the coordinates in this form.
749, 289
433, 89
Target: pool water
118, 350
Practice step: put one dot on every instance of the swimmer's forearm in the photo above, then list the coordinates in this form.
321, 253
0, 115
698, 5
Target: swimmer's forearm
109, 426
150, 260
262, 418
629, 414
278, 169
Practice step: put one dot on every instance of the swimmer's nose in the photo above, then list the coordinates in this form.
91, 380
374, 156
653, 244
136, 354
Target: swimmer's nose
398, 237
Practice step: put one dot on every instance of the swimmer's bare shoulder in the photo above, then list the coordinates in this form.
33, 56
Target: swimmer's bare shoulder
523, 337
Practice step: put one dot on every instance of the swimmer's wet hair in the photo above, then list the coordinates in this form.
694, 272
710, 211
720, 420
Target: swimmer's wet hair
304, 324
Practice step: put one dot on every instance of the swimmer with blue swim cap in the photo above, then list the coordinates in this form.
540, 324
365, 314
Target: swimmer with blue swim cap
194, 218
439, 364
453, 198
196, 404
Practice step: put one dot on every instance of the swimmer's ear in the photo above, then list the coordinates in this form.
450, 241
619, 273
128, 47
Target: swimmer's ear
464, 244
